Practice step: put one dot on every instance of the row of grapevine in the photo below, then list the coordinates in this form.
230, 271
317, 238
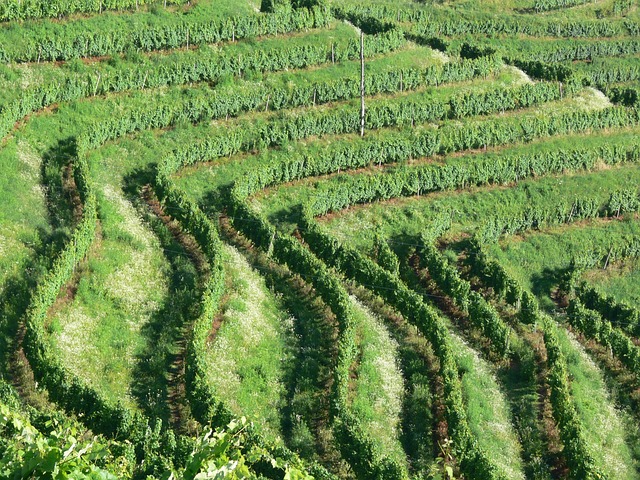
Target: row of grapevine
621, 7
568, 51
362, 453
264, 235
591, 324
416, 180
534, 50
608, 71
389, 147
52, 41
481, 314
492, 274
206, 406
437, 23
553, 214
576, 450
618, 313
211, 67
474, 463
547, 5
28, 9
65, 388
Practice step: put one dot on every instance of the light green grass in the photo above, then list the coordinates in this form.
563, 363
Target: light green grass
379, 387
23, 213
99, 334
621, 280
407, 218
488, 411
250, 357
603, 424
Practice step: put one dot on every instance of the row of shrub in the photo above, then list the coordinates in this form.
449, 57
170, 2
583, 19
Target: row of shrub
148, 440
591, 324
576, 451
158, 446
111, 35
391, 147
212, 66
607, 71
547, 5
567, 210
618, 313
417, 180
257, 227
481, 314
621, 7
574, 50
364, 455
28, 9
528, 50
493, 275
439, 22
300, 260
206, 406
63, 387
473, 462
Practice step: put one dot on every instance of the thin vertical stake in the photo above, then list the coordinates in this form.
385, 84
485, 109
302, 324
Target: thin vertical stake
361, 83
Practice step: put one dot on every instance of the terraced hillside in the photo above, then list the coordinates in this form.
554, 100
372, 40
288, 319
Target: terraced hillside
210, 269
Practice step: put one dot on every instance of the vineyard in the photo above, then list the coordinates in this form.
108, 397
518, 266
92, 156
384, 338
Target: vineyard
329, 239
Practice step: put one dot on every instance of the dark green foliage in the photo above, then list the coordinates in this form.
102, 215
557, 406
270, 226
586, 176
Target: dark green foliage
50, 41
579, 459
619, 314
591, 324
385, 257
474, 463
28, 9
493, 275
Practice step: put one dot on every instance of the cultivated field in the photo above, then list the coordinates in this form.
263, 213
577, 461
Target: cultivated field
209, 268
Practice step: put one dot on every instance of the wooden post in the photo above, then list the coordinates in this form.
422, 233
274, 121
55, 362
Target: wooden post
95, 92
361, 83
606, 262
333, 53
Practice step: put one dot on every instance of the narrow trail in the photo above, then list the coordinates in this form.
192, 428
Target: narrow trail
179, 412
